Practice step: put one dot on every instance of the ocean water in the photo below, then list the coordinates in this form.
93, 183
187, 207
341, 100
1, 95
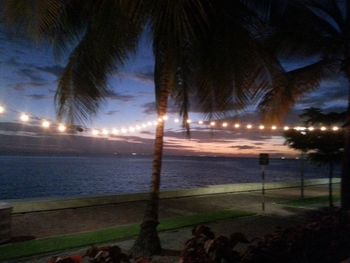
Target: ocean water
62, 176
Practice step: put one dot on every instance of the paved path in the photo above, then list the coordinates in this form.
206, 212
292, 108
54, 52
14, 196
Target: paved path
43, 224
51, 223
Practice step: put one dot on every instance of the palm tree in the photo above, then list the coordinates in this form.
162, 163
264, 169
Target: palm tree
205, 52
313, 29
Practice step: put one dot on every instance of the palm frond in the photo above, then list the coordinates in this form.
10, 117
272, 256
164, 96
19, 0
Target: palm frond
306, 34
278, 101
233, 69
108, 41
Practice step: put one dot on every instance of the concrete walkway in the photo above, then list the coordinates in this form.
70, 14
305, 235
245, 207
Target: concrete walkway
51, 223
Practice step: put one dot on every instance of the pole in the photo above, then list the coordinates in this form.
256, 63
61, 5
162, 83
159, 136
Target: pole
302, 175
263, 188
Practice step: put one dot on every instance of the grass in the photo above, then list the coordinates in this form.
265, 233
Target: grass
66, 242
309, 202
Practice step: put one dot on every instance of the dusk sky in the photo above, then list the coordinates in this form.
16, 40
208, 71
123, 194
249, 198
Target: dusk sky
28, 75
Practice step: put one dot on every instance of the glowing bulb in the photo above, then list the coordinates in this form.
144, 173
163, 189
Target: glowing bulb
138, 127
286, 128
273, 127
95, 132
323, 128
237, 125
144, 125
261, 127
105, 132
45, 124
24, 117
311, 128
188, 121
176, 120
212, 123
155, 123
335, 128
115, 131
131, 129
149, 123
249, 126
2, 109
61, 128
165, 117
160, 119
124, 130
224, 124
200, 122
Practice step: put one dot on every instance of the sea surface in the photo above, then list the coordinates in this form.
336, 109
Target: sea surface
62, 176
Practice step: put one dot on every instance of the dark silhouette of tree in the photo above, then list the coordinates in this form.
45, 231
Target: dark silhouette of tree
322, 147
314, 29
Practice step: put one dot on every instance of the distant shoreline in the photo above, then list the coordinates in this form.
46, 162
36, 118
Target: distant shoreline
39, 154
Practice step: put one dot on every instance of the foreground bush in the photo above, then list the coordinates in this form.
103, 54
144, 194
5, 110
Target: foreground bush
325, 240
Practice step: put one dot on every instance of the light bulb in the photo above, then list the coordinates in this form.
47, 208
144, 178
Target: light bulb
61, 128
95, 132
45, 124
24, 117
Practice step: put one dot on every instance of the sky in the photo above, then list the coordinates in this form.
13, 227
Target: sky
28, 77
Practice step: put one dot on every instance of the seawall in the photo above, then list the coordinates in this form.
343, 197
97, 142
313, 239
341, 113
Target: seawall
47, 204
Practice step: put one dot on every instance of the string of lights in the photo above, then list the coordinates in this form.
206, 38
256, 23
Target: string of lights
125, 130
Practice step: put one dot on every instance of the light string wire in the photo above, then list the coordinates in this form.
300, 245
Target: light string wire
48, 124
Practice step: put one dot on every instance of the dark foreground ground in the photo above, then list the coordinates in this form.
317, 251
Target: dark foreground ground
276, 215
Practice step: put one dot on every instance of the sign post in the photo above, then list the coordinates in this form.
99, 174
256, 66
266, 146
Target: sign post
302, 170
263, 161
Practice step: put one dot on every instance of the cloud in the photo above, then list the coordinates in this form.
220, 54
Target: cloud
117, 96
330, 92
150, 108
55, 70
146, 78
30, 74
245, 147
27, 85
37, 96
147, 132
111, 112
12, 62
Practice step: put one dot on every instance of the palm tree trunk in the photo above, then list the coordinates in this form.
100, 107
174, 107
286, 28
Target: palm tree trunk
148, 243
330, 184
345, 175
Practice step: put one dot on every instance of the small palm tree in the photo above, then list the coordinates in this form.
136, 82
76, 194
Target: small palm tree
313, 29
203, 49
